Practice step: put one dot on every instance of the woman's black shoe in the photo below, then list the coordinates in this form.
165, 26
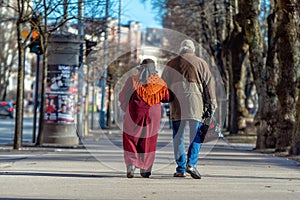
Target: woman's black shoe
145, 174
130, 171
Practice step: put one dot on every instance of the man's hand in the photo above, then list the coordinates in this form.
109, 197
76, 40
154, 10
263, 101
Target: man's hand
207, 118
208, 113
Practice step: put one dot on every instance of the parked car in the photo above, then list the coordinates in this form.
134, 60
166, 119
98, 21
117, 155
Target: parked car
6, 109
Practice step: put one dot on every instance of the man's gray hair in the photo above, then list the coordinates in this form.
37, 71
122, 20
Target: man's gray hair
187, 45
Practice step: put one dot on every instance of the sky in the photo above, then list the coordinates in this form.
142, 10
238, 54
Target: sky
136, 11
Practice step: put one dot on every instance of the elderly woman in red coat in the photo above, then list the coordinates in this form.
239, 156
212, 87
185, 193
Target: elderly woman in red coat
140, 100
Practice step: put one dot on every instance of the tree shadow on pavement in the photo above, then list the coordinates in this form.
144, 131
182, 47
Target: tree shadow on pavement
65, 175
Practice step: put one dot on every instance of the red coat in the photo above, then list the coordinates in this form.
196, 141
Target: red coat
140, 127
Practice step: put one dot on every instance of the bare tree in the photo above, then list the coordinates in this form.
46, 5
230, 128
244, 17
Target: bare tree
209, 23
25, 9
54, 16
23, 15
236, 50
267, 118
295, 147
253, 33
267, 30
287, 53
8, 40
57, 15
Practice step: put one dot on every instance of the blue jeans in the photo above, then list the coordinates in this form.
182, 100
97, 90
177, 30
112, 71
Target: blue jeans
179, 146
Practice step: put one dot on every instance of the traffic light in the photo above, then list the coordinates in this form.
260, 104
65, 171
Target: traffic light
88, 46
35, 42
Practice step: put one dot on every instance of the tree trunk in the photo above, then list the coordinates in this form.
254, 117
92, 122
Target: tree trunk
20, 92
237, 50
44, 36
286, 90
265, 118
43, 94
254, 38
295, 149
270, 116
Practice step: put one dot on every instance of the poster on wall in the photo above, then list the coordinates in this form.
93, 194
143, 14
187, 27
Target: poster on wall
62, 78
62, 83
60, 108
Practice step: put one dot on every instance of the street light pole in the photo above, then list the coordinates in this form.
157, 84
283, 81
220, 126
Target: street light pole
119, 28
104, 74
80, 70
36, 95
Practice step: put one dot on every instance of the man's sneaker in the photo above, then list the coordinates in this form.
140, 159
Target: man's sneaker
193, 172
179, 174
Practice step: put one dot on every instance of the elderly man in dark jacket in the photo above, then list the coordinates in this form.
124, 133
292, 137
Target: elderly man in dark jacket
190, 81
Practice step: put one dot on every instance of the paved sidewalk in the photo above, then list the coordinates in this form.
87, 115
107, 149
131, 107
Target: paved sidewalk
95, 170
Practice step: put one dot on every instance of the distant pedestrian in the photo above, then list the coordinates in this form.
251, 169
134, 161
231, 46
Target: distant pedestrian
189, 79
140, 100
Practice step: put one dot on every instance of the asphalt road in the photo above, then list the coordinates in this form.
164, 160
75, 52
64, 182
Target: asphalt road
7, 130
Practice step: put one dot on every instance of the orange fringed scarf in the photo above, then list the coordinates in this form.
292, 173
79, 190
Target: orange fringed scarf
152, 93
